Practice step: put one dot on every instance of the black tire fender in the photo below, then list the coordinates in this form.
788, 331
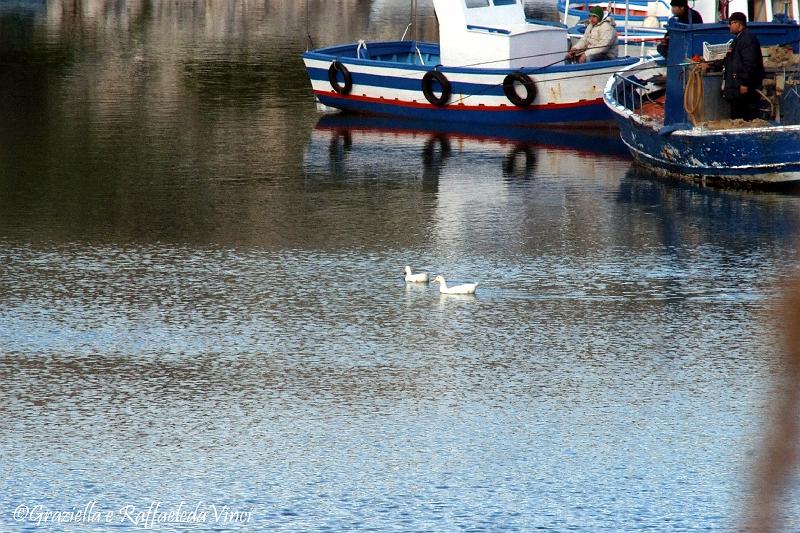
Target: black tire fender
510, 84
336, 68
427, 88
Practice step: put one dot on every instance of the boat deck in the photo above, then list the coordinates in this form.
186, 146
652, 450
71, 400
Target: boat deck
654, 108
407, 58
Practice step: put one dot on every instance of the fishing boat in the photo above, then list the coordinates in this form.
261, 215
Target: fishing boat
491, 66
673, 119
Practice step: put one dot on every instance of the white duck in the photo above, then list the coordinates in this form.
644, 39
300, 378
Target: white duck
466, 288
422, 277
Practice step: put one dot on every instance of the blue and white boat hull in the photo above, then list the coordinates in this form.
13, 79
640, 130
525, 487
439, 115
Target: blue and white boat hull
390, 83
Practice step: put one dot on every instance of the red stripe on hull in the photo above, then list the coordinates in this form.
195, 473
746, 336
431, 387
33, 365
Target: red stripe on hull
460, 107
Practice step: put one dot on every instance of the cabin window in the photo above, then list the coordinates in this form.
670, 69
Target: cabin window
477, 3
505, 2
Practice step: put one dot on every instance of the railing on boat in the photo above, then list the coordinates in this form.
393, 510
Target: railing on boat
626, 93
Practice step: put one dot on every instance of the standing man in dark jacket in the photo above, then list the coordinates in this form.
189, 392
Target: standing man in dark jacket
683, 14
744, 70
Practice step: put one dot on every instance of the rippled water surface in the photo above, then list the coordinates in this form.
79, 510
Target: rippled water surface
202, 304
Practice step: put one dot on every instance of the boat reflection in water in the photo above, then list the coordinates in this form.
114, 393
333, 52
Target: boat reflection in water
24, 7
345, 146
450, 186
735, 218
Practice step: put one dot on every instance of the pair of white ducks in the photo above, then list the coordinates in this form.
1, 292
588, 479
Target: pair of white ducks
422, 277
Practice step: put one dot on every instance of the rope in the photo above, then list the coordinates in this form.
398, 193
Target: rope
421, 61
362, 44
403, 37
693, 95
568, 77
414, 20
308, 30
536, 55
771, 105
490, 87
528, 70
467, 65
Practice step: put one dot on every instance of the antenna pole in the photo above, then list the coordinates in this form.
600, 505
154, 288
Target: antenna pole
414, 20
308, 29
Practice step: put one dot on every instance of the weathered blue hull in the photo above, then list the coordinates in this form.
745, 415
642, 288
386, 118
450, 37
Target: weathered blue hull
652, 102
769, 155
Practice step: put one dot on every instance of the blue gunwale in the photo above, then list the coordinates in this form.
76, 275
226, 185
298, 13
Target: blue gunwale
346, 53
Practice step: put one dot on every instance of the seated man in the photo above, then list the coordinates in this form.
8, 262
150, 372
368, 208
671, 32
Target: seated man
599, 41
683, 14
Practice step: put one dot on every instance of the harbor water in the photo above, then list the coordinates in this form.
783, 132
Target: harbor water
204, 324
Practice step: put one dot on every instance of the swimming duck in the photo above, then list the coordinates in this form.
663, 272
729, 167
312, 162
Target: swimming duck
466, 288
422, 277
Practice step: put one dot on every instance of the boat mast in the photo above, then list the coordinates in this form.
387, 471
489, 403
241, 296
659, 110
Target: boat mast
627, 23
412, 22
414, 19
308, 30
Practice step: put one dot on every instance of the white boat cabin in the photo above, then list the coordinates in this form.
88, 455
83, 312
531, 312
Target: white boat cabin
495, 34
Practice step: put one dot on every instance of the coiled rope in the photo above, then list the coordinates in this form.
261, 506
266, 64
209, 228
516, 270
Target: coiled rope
693, 95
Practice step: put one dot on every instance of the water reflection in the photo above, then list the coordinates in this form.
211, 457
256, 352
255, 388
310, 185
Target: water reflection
24, 7
737, 217
360, 144
133, 120
201, 294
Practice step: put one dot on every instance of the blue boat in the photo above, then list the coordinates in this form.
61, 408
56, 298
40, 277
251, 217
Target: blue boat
492, 66
670, 128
